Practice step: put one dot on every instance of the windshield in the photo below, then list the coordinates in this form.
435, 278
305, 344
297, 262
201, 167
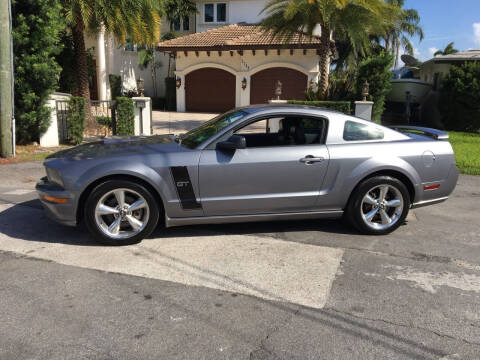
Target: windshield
195, 137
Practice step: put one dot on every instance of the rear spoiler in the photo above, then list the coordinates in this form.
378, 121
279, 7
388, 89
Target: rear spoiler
433, 133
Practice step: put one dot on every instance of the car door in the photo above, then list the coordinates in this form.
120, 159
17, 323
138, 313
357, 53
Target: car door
273, 174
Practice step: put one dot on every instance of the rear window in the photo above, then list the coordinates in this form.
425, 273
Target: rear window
354, 131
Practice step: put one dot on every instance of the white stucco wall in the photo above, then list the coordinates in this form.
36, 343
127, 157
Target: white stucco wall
429, 69
244, 66
237, 11
125, 64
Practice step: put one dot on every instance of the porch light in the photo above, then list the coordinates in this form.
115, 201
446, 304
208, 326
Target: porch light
178, 82
244, 83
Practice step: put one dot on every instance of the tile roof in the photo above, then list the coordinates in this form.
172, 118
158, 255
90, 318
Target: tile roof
237, 37
471, 55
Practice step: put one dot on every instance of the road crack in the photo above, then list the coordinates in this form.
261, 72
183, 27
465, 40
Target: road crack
437, 333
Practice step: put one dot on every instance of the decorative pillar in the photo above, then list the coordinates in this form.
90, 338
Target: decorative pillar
101, 65
363, 109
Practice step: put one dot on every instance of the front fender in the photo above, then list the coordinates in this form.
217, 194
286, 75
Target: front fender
118, 167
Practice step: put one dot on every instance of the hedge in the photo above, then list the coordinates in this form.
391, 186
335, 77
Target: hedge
460, 98
125, 117
170, 94
342, 106
158, 103
76, 119
115, 85
377, 71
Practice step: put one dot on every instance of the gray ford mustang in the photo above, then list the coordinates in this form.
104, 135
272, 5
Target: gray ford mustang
251, 164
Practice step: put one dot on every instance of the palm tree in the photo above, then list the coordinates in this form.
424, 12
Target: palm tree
407, 26
176, 10
354, 20
139, 19
449, 49
146, 58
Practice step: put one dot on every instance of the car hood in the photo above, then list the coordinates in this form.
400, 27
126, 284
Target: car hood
117, 146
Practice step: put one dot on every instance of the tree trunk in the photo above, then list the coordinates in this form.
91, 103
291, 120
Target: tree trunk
83, 88
324, 62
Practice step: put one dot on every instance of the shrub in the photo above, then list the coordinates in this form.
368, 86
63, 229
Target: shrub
460, 98
36, 28
115, 85
76, 119
125, 117
104, 120
158, 103
170, 94
342, 106
375, 70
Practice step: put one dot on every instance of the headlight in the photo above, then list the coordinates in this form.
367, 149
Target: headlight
54, 176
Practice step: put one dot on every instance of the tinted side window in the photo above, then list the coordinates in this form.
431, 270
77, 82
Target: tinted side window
354, 131
283, 131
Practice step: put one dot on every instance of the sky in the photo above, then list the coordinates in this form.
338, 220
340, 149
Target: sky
444, 21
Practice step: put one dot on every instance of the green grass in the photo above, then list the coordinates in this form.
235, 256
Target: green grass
467, 151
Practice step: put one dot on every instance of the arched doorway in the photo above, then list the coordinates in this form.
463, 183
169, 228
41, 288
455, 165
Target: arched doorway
263, 83
209, 90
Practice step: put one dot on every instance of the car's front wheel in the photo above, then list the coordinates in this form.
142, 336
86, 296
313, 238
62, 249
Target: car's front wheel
379, 205
121, 212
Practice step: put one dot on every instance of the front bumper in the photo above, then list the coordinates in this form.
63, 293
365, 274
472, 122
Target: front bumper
62, 213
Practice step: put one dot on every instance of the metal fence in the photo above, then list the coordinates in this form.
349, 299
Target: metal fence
101, 108
102, 114
62, 114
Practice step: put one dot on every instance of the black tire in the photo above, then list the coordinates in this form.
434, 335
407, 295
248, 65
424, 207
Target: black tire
104, 188
355, 208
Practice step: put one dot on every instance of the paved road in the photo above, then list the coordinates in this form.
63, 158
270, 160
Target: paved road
278, 290
167, 122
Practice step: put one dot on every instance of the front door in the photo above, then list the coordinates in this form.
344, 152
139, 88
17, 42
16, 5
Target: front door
273, 174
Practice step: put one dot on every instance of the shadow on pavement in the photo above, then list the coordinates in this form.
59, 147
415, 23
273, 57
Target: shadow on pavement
24, 221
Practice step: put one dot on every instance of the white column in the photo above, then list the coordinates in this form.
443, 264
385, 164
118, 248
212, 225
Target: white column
50, 137
143, 110
181, 107
101, 65
110, 65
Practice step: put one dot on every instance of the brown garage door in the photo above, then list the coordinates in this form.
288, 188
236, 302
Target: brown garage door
209, 90
294, 84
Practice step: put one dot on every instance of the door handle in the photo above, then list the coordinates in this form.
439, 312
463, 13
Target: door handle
310, 159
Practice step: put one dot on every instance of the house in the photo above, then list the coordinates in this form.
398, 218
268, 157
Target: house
238, 65
434, 69
222, 60
122, 59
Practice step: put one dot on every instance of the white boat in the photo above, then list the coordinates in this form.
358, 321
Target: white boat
416, 88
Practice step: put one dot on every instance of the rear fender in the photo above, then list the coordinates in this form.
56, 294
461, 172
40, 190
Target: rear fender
378, 164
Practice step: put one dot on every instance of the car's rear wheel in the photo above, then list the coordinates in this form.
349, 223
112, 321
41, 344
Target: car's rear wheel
121, 212
379, 205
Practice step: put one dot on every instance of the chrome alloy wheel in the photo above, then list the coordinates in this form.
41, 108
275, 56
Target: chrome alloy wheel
382, 206
122, 213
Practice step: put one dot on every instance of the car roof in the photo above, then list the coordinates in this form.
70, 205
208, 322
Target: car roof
252, 109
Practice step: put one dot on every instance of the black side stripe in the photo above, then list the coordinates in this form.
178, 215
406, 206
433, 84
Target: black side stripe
184, 187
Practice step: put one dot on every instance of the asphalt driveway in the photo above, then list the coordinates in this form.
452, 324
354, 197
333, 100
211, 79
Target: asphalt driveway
277, 290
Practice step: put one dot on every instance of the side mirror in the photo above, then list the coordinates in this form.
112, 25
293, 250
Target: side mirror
233, 143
